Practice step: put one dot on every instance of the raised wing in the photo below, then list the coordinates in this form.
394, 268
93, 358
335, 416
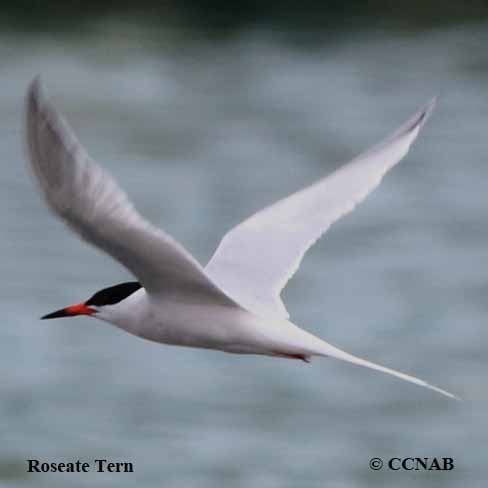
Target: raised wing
255, 260
89, 200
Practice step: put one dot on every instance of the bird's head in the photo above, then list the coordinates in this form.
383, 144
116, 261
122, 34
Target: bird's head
103, 305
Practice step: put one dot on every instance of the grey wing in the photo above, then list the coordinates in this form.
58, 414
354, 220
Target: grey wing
256, 258
89, 200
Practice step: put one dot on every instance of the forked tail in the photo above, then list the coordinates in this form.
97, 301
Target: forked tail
328, 350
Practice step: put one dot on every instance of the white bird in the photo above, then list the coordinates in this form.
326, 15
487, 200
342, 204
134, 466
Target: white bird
231, 305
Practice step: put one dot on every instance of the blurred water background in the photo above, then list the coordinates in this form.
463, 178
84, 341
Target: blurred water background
205, 116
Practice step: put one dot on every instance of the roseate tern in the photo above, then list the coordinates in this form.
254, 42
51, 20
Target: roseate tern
233, 304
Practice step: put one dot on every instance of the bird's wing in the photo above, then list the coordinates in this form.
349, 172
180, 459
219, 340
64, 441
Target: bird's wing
89, 200
256, 258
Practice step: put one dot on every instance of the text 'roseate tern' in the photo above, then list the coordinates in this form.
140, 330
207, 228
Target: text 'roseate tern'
233, 304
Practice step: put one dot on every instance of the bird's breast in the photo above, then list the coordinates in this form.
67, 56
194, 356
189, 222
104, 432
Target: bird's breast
207, 326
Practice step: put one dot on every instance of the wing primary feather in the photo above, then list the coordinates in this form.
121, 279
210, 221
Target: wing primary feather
88, 199
255, 259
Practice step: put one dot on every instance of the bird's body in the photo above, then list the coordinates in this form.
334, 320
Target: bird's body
209, 326
231, 305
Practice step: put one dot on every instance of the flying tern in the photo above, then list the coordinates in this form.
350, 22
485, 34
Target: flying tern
233, 304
